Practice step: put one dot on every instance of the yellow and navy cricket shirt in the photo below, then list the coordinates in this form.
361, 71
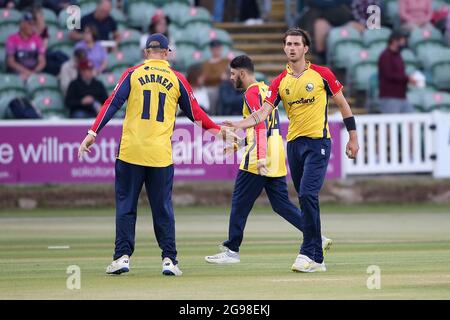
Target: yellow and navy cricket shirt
264, 140
153, 91
305, 98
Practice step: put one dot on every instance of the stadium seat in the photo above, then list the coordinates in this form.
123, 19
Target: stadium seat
363, 65
130, 37
187, 56
118, 61
438, 66
6, 30
374, 36
48, 103
416, 97
393, 12
120, 18
40, 82
87, 8
427, 51
195, 36
140, 13
373, 93
58, 37
50, 17
11, 86
436, 101
196, 14
110, 80
377, 48
133, 53
420, 36
410, 60
10, 16
342, 42
2, 59
175, 12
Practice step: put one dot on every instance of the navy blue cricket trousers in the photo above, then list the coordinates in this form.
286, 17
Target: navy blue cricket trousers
158, 185
308, 160
247, 189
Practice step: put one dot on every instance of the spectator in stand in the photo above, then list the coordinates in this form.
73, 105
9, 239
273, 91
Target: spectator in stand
25, 52
214, 71
96, 53
159, 23
230, 98
321, 16
415, 13
41, 27
102, 20
249, 12
69, 70
392, 77
85, 94
196, 79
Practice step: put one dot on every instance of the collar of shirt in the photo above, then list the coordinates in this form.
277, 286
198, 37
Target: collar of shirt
164, 62
291, 72
252, 85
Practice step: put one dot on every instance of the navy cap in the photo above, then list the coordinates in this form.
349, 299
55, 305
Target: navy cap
27, 16
157, 40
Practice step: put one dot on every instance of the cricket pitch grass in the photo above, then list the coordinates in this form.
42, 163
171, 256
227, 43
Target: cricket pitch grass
409, 244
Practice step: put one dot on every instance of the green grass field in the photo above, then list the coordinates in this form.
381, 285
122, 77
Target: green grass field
410, 244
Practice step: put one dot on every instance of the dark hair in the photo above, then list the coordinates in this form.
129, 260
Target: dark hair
396, 35
193, 74
298, 32
242, 62
93, 30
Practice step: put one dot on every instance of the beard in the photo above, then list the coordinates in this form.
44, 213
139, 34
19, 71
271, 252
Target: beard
238, 84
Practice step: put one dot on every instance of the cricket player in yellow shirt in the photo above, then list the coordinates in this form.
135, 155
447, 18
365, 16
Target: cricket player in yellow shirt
263, 166
304, 89
153, 90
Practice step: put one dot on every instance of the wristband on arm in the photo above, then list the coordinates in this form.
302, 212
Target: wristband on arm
92, 133
350, 123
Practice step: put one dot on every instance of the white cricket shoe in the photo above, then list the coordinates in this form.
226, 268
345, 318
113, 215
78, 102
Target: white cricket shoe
326, 244
225, 257
119, 266
170, 269
305, 264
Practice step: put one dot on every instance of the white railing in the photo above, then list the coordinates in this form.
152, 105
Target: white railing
393, 143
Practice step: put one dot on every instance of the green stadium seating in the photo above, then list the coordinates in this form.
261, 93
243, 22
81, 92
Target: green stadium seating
416, 97
130, 37
197, 15
48, 103
41, 81
6, 30
188, 55
58, 37
342, 42
374, 36
438, 65
50, 17
120, 18
133, 53
176, 12
140, 13
87, 8
420, 36
118, 61
436, 101
11, 86
410, 60
363, 65
10, 16
110, 80
2, 59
